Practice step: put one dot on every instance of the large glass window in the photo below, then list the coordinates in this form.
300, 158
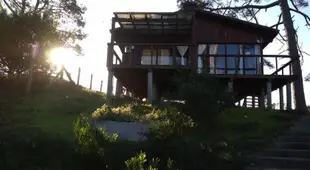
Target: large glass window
217, 63
148, 57
232, 49
237, 60
164, 57
249, 62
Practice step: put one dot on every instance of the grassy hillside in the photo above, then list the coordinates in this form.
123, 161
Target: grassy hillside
50, 110
36, 132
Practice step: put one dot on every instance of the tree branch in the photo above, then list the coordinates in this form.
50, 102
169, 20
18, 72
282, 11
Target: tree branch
306, 17
294, 4
254, 16
247, 6
10, 8
282, 37
279, 22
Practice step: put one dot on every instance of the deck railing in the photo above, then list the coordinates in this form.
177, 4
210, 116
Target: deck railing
129, 55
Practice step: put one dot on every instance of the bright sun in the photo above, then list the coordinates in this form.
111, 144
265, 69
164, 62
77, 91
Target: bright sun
59, 56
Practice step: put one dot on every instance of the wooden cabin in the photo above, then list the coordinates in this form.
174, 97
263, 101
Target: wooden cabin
147, 48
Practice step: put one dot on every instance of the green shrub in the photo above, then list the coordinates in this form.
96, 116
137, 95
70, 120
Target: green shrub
91, 142
205, 97
139, 161
89, 138
171, 123
127, 112
103, 110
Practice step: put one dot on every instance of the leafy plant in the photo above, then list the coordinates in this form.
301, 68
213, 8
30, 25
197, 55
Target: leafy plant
205, 97
89, 138
139, 161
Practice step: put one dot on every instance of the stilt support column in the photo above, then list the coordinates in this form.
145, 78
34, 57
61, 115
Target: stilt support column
110, 87
288, 96
119, 88
150, 87
269, 99
281, 98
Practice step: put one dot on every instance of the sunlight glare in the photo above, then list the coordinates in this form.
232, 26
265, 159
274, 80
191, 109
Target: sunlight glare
59, 56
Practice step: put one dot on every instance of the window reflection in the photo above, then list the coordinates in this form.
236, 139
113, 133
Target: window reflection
235, 61
148, 57
217, 63
232, 49
250, 62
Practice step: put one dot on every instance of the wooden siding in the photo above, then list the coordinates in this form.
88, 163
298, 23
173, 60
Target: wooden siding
134, 36
214, 32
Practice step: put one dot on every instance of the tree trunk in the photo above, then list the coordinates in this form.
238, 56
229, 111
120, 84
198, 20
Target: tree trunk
293, 52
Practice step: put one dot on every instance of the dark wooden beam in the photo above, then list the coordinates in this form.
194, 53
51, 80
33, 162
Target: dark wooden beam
151, 20
282, 68
117, 57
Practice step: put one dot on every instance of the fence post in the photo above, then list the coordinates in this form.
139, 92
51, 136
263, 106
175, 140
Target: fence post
91, 81
101, 86
78, 78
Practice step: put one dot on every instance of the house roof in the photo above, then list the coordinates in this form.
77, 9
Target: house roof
181, 21
266, 31
154, 20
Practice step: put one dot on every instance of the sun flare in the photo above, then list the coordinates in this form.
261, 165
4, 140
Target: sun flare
59, 56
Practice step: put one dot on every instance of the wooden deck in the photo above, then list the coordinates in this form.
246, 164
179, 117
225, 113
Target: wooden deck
244, 85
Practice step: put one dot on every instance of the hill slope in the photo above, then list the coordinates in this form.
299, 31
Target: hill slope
50, 110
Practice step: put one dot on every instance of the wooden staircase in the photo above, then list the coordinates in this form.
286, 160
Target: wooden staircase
251, 102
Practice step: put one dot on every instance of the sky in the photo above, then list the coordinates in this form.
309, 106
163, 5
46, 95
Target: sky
98, 22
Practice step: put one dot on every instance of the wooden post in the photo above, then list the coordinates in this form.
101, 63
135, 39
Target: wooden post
262, 98
253, 101
91, 81
118, 88
230, 86
101, 86
62, 71
110, 87
150, 86
110, 63
269, 99
29, 83
245, 101
281, 98
288, 97
78, 78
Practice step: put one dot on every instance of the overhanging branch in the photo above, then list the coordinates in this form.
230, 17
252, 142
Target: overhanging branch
7, 4
306, 17
246, 7
278, 23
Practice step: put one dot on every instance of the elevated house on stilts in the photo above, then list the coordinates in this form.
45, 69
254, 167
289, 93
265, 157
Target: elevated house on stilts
146, 49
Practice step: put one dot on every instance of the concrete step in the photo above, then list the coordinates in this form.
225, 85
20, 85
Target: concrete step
282, 163
253, 168
293, 145
286, 153
296, 133
294, 138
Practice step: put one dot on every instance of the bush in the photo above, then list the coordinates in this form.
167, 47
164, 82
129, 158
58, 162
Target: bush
204, 96
138, 163
127, 112
103, 110
170, 124
91, 142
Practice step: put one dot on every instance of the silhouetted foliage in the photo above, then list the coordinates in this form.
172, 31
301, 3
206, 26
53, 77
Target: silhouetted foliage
205, 96
50, 23
307, 78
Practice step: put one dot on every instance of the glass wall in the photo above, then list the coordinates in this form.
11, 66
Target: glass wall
230, 58
164, 56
